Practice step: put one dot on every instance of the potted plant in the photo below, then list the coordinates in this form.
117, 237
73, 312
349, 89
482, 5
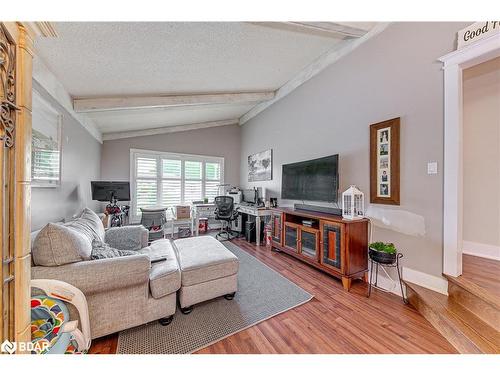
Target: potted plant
381, 252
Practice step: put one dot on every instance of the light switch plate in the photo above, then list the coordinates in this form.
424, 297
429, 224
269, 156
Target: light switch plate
432, 167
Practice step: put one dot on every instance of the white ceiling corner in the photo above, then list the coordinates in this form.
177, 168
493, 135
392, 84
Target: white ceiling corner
47, 80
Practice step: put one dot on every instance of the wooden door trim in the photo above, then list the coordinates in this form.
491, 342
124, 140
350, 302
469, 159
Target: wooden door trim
15, 171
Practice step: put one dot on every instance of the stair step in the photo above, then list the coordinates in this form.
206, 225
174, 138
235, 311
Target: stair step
475, 299
464, 330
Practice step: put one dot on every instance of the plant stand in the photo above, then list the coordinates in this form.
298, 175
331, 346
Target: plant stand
389, 265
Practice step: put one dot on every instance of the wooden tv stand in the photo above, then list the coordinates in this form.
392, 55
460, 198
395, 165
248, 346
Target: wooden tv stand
332, 244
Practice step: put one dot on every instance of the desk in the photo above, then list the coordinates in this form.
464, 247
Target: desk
201, 210
208, 210
178, 222
258, 212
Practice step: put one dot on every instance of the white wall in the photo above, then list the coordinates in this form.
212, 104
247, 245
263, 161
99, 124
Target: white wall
481, 127
80, 163
396, 74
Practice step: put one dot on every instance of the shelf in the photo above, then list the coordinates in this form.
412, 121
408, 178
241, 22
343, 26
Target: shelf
314, 228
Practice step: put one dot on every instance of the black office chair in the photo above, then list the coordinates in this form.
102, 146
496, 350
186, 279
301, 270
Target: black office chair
225, 212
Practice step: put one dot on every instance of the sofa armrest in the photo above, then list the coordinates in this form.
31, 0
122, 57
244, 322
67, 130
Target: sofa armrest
101, 275
131, 237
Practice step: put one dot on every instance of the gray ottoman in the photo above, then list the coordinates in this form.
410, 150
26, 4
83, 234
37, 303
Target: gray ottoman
208, 270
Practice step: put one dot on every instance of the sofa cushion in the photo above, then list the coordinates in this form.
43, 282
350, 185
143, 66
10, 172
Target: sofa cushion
101, 250
165, 276
89, 224
58, 244
202, 259
130, 237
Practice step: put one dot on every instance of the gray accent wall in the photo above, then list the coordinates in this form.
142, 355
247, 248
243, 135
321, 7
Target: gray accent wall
80, 163
222, 141
395, 74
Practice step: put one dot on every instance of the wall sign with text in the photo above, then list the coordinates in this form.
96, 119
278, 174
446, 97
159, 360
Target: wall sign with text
477, 31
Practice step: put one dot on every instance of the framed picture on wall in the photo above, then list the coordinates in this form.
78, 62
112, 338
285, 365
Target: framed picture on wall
260, 166
45, 144
384, 162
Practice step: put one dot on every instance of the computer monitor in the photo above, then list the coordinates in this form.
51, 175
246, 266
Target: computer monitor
110, 191
250, 196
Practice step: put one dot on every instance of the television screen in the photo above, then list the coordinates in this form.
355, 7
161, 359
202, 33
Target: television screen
104, 190
249, 196
312, 180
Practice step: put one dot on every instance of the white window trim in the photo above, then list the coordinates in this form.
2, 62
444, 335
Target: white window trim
134, 153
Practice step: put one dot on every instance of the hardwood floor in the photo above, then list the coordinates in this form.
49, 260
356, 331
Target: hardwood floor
334, 321
469, 316
483, 272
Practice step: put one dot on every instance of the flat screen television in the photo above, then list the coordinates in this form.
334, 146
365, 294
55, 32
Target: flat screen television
311, 180
106, 191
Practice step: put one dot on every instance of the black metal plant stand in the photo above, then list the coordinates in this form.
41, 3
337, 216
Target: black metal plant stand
384, 264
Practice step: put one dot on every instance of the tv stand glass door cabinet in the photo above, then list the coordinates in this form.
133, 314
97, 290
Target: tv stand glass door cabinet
291, 237
332, 244
276, 224
309, 242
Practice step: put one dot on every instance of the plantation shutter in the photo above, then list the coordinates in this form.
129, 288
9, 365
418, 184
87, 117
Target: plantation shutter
171, 191
45, 164
146, 189
212, 180
167, 179
45, 143
192, 181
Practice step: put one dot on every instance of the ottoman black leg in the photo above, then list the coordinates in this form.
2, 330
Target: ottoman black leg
166, 321
230, 296
186, 310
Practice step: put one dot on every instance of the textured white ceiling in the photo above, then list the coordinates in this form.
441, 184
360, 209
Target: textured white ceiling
113, 58
93, 59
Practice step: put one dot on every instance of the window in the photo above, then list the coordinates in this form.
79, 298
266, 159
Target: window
167, 179
45, 143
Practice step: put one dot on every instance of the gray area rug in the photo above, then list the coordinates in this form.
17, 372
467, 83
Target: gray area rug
262, 294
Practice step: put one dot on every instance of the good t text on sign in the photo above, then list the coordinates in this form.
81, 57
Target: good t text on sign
477, 31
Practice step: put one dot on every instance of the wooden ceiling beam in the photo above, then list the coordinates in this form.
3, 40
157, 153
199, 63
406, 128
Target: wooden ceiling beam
138, 102
335, 30
167, 129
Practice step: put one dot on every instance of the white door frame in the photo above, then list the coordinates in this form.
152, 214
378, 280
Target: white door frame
453, 65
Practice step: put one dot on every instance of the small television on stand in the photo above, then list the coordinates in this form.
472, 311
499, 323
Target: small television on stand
112, 192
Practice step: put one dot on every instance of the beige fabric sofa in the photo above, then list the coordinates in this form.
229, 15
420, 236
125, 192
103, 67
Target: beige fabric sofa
121, 292
128, 291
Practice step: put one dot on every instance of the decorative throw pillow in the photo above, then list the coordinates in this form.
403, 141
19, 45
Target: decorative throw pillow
58, 244
101, 250
89, 224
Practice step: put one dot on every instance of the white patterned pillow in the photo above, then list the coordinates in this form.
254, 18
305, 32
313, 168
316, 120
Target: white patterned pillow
89, 224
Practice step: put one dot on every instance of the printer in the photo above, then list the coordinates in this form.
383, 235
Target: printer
236, 194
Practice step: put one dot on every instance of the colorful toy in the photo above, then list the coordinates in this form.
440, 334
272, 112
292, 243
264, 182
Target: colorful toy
51, 330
